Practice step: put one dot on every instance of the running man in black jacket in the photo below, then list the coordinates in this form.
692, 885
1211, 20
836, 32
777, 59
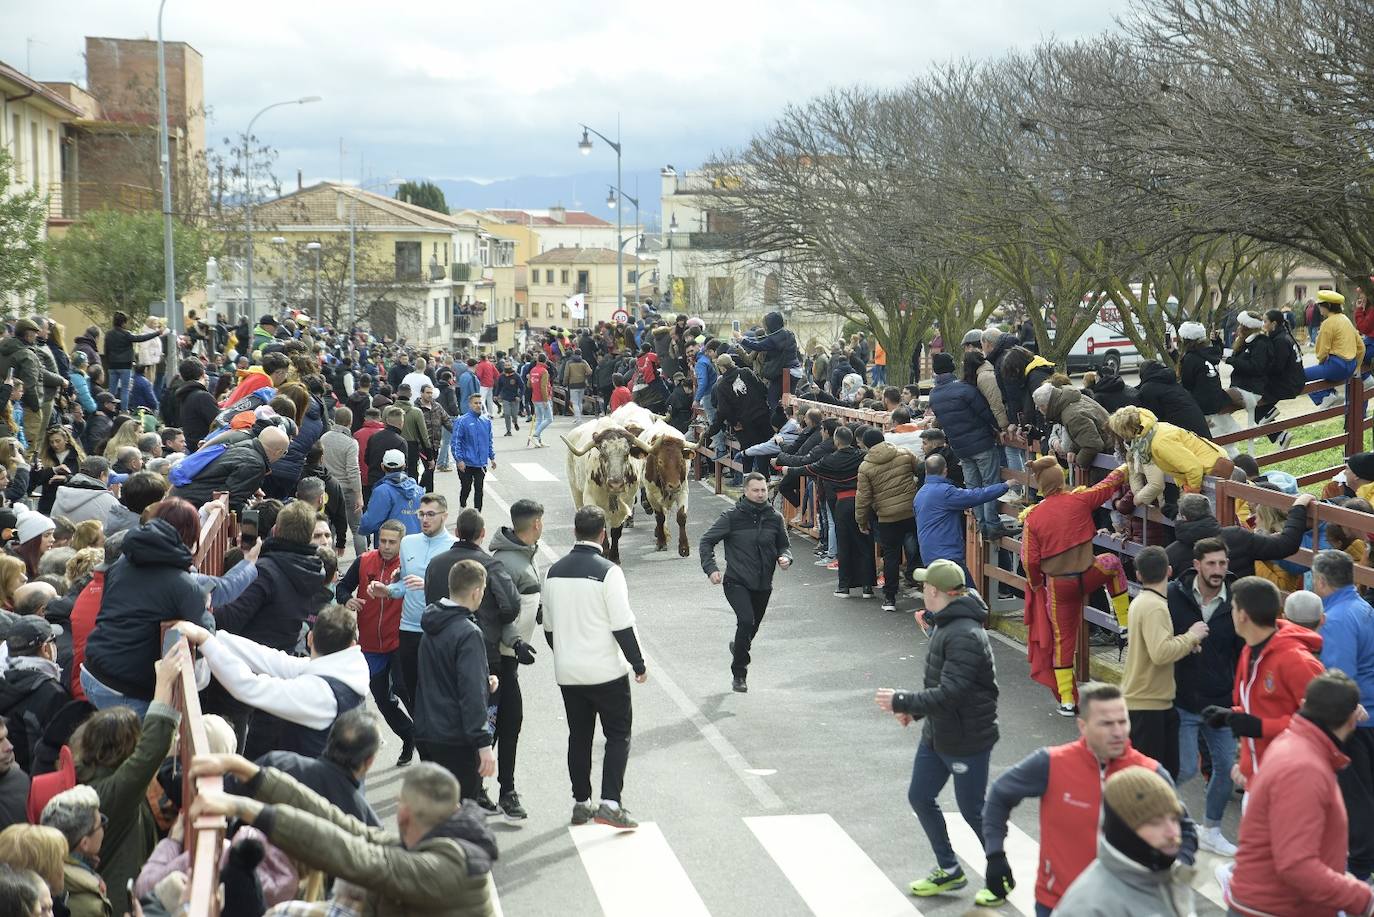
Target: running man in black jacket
959, 705
755, 539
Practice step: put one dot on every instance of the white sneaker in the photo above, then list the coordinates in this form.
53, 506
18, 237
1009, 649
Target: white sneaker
1213, 841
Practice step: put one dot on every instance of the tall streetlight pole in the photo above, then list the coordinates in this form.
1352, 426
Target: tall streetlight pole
169, 278
314, 248
585, 145
248, 187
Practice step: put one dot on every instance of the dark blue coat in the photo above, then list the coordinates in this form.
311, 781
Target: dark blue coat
964, 415
286, 471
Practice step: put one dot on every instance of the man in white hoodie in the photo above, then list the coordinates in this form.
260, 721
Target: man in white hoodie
295, 700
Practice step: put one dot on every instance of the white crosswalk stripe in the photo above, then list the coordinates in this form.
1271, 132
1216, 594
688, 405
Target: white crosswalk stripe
635, 872
812, 851
533, 471
1023, 855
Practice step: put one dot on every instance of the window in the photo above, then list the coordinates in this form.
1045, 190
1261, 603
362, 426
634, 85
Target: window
1299, 292
17, 141
407, 260
534, 276
435, 252
517, 310
631, 277
563, 279
565, 310
446, 253
583, 282
548, 309
548, 276
33, 145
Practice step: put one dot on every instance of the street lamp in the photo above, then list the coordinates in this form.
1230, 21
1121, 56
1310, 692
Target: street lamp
585, 146
314, 248
169, 279
672, 231
248, 186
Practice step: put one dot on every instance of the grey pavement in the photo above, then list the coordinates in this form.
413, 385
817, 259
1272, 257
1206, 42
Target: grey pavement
790, 799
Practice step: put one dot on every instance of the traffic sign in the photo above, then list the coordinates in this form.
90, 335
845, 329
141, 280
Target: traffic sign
620, 316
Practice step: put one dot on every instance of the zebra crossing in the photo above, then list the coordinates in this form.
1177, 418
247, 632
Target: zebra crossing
636, 873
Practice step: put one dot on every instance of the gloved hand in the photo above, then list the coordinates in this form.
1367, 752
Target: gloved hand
1245, 726
1217, 717
524, 653
999, 878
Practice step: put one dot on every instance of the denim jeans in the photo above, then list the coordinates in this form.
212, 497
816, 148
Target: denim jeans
575, 397
445, 458
543, 413
1016, 459
929, 774
102, 697
121, 381
1332, 369
1222, 745
983, 470
832, 546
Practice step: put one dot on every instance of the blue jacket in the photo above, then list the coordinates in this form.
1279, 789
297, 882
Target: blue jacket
416, 552
286, 471
467, 387
471, 442
83, 391
395, 496
141, 394
964, 415
1348, 641
706, 375
939, 507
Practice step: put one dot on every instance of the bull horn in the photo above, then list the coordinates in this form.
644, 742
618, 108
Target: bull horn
636, 441
574, 450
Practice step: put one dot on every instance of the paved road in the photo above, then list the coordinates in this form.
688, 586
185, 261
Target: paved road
788, 800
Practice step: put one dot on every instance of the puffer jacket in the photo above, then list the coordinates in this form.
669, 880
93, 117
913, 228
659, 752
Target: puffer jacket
1244, 546
1113, 393
1198, 375
1174, 451
1161, 395
887, 484
1086, 423
959, 699
1252, 362
14, 355
755, 537
992, 392
447, 873
778, 346
1117, 886
275, 605
964, 415
518, 560
286, 471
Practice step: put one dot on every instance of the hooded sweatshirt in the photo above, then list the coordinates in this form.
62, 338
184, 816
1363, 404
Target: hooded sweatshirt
451, 691
83, 497
517, 558
395, 496
1271, 679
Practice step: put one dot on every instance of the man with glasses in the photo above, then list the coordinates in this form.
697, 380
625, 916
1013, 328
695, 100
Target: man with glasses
31, 692
416, 552
76, 813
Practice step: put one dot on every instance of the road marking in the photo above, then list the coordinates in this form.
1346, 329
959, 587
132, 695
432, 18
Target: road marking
533, 471
1023, 855
814, 852
659, 676
636, 872
495, 899
1205, 879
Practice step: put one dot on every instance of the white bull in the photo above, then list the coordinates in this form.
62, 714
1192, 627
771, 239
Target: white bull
605, 465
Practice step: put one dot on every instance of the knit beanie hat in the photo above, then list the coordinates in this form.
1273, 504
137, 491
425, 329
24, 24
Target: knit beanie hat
32, 525
1041, 396
1192, 331
942, 363
1138, 795
243, 896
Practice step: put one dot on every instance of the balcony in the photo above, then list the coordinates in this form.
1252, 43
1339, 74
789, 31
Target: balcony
408, 273
460, 272
707, 240
436, 272
68, 200
462, 323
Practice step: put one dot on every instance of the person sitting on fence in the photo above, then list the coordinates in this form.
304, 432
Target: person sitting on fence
1339, 348
779, 442
1155, 448
1198, 375
1062, 571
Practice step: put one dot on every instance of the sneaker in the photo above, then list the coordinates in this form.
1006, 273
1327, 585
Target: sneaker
582, 812
868, 592
1067, 710
1284, 439
489, 808
738, 685
824, 559
407, 754
986, 897
939, 882
889, 605
507, 433
832, 565
1213, 841
1270, 416
511, 807
841, 593
881, 580
619, 817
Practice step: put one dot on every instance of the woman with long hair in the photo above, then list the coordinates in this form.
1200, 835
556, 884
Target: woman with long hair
126, 433
1197, 373
12, 576
37, 848
59, 457
16, 469
24, 894
35, 537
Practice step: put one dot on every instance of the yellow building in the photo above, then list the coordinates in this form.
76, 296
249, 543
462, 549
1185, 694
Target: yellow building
559, 274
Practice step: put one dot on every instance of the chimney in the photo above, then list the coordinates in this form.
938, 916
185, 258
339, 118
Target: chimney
300, 180
558, 213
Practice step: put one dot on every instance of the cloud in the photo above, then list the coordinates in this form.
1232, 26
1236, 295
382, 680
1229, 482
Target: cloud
491, 90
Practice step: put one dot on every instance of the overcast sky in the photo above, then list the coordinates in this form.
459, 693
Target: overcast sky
495, 90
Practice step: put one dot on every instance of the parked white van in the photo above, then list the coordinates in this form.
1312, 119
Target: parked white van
1105, 343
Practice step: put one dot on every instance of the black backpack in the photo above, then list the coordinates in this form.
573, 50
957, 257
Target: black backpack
1286, 369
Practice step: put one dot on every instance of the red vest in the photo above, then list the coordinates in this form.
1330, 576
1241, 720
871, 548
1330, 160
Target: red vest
379, 620
1070, 813
82, 620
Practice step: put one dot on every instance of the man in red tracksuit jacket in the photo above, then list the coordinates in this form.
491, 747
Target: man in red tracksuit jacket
1276, 664
379, 630
1294, 834
1068, 780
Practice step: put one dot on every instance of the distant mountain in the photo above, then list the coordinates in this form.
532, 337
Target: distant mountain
584, 191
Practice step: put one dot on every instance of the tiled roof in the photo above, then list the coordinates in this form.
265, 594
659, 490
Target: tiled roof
542, 218
318, 205
573, 255
33, 87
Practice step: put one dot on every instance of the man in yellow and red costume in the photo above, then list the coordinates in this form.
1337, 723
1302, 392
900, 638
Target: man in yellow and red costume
1062, 571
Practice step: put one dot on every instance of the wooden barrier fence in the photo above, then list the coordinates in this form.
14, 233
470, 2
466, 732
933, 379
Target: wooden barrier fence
204, 836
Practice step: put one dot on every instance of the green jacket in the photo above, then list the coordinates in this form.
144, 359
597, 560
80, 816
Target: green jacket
131, 833
447, 873
27, 369
261, 338
85, 896
414, 429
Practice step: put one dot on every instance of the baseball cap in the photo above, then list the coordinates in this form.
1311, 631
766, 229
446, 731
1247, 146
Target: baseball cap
29, 633
394, 458
944, 575
973, 337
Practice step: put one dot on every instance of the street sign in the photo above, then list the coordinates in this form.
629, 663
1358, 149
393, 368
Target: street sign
620, 316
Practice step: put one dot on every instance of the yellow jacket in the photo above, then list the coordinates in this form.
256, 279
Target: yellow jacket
1339, 337
1179, 452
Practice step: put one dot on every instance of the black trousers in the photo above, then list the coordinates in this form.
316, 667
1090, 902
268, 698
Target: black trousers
427, 475
895, 538
460, 761
409, 654
1155, 733
510, 715
583, 705
854, 549
1357, 788
413, 459
472, 478
790, 486
386, 686
749, 606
